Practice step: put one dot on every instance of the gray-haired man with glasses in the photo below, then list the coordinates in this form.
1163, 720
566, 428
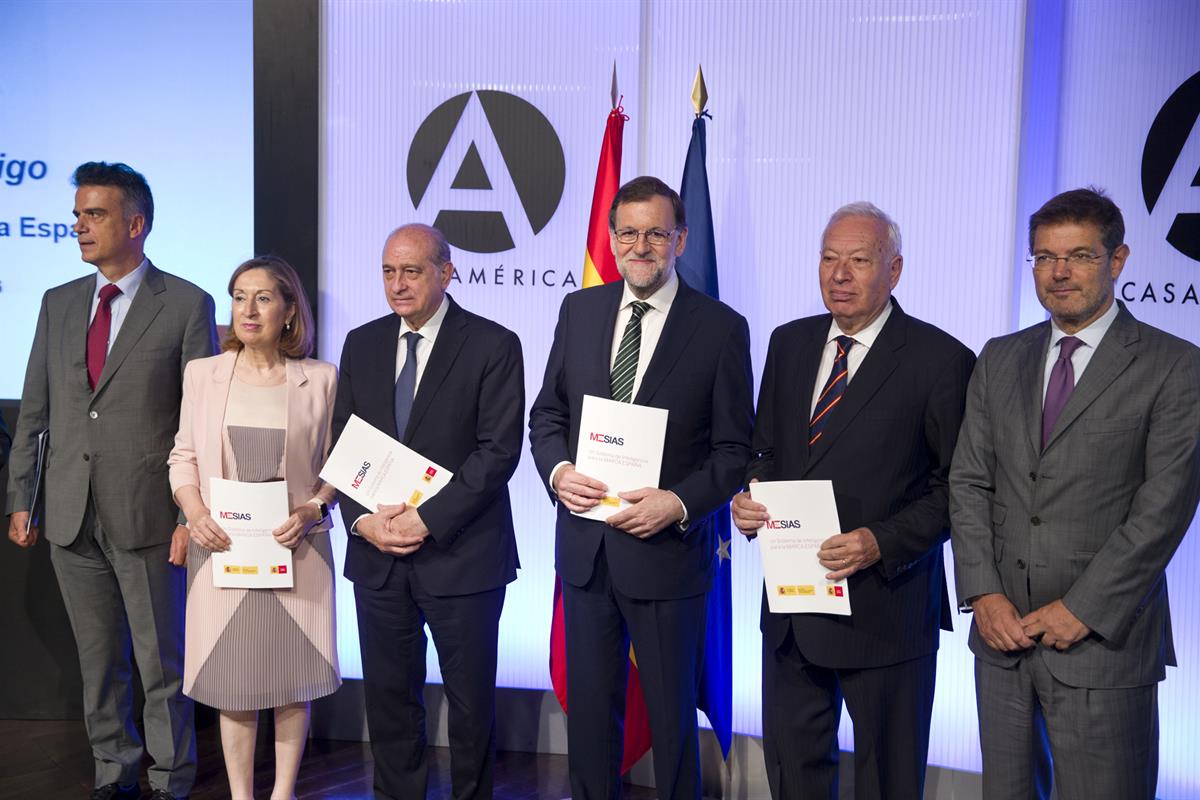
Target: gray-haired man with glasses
1076, 475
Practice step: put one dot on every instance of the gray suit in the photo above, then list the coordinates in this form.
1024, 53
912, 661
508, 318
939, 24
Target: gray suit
109, 511
1093, 520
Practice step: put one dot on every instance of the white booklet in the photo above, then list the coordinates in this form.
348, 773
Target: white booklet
803, 514
621, 445
373, 469
248, 512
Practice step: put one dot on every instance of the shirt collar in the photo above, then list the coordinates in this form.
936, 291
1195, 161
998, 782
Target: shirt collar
867, 336
429, 330
662, 298
128, 285
1092, 334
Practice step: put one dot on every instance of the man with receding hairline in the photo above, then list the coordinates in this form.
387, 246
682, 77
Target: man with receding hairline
869, 398
450, 385
105, 377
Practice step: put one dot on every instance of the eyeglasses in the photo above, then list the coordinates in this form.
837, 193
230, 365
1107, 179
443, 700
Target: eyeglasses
1080, 259
656, 237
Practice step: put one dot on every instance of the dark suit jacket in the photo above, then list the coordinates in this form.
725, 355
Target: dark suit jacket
1094, 518
466, 416
887, 450
113, 442
700, 372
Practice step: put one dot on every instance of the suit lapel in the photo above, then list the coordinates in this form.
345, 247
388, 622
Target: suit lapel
450, 339
380, 370
145, 307
76, 322
597, 357
1031, 367
682, 321
297, 423
880, 362
1112, 357
803, 362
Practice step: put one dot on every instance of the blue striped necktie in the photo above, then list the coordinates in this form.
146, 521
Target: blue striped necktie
835, 387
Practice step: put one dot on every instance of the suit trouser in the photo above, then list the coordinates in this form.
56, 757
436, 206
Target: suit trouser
391, 624
123, 603
802, 706
1101, 744
668, 643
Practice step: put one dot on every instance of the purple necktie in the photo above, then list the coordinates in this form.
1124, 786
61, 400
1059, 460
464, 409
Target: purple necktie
1062, 383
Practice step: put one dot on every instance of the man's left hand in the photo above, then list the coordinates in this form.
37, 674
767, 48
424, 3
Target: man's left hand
847, 553
652, 510
179, 546
1055, 623
409, 530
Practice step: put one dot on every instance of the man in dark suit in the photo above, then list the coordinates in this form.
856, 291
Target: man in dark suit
450, 385
105, 377
1075, 479
871, 399
643, 575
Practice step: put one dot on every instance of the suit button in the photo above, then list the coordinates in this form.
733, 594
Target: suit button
1033, 476
1020, 563
93, 415
1036, 520
86, 457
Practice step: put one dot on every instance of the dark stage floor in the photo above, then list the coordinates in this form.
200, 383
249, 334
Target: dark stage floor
51, 759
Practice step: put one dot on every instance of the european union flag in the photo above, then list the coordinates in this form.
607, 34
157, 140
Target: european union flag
698, 268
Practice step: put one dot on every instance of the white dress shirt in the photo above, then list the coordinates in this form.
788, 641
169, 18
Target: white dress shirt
1090, 336
120, 305
429, 332
864, 340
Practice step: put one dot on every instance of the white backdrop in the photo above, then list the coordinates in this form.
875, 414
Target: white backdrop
916, 106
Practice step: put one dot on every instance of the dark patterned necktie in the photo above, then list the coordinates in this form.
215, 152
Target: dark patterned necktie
832, 393
625, 367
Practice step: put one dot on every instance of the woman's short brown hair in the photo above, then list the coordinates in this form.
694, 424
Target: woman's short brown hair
298, 336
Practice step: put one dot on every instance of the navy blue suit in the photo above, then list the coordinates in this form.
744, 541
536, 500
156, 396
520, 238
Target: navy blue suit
887, 449
467, 416
700, 372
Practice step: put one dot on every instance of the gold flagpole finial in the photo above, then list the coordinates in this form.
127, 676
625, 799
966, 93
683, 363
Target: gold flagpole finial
614, 84
699, 92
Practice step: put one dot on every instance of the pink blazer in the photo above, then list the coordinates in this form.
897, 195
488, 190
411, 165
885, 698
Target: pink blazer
197, 456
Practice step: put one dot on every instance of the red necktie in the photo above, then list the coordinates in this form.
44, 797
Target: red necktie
97, 340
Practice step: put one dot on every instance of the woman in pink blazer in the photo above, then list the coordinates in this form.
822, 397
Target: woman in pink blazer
260, 411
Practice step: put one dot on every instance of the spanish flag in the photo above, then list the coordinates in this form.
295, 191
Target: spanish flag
600, 266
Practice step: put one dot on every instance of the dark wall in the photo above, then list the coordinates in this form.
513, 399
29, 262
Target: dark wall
39, 665
286, 105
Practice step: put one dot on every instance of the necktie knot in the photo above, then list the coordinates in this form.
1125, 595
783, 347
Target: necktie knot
844, 344
1068, 345
639, 309
108, 293
411, 338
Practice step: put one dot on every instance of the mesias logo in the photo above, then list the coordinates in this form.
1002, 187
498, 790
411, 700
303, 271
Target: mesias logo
234, 515
604, 438
779, 524
362, 473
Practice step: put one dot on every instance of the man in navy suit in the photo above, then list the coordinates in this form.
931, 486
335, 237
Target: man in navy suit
450, 385
642, 576
871, 399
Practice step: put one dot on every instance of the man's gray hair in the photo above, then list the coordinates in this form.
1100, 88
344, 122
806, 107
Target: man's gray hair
441, 247
865, 209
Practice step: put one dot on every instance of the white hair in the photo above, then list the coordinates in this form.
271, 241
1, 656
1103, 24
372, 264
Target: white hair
865, 209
